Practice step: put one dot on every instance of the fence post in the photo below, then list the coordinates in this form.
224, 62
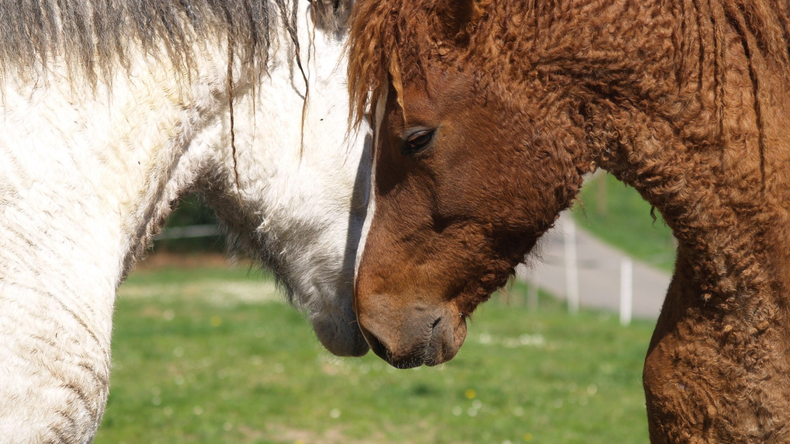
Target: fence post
571, 267
626, 290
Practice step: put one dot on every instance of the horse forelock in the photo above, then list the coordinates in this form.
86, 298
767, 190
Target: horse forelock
92, 37
392, 43
380, 47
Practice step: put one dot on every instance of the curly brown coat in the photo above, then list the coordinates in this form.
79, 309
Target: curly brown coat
688, 101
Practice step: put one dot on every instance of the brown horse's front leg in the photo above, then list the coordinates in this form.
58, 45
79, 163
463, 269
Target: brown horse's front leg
716, 371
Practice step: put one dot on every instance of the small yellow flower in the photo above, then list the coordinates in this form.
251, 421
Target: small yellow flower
216, 321
470, 394
528, 437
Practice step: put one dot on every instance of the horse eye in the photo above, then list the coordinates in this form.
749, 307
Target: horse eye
418, 141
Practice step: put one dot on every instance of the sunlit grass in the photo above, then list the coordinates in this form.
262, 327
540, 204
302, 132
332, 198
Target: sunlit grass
195, 360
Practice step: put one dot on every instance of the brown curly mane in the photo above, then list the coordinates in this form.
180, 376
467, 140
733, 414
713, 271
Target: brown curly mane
540, 38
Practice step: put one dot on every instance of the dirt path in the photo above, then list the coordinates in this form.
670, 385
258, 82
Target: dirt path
598, 273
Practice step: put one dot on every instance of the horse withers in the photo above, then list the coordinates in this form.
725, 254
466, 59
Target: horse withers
112, 110
489, 113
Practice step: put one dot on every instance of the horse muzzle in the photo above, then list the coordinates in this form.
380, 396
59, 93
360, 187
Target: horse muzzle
422, 336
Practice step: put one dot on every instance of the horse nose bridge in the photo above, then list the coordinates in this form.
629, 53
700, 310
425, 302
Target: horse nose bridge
384, 313
390, 322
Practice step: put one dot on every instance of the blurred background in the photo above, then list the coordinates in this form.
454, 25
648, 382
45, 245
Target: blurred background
206, 350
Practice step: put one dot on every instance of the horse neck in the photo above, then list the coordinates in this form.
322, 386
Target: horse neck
702, 138
293, 167
123, 149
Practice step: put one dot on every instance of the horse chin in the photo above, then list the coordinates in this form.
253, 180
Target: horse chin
338, 332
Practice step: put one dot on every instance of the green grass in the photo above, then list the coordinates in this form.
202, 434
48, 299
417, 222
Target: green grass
208, 356
618, 215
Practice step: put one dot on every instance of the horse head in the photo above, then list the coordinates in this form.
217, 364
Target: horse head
294, 189
471, 167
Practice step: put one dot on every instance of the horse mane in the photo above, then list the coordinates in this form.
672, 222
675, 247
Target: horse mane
514, 37
373, 54
92, 36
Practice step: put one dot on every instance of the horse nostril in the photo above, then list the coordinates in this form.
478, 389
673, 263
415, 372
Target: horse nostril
436, 322
376, 345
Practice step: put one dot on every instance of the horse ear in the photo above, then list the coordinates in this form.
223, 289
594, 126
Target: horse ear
457, 15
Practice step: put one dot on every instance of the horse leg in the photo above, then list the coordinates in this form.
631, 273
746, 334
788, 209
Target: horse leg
717, 371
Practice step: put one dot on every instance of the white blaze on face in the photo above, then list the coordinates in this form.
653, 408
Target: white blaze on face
380, 106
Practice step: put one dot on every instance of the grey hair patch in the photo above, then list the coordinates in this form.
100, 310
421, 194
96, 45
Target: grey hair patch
92, 36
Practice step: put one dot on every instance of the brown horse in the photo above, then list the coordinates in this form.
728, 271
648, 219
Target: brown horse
489, 113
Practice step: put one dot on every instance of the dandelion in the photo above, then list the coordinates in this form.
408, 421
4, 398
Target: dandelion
527, 437
470, 394
216, 321
334, 413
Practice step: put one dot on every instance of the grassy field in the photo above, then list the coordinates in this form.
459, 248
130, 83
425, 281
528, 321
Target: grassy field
213, 355
618, 215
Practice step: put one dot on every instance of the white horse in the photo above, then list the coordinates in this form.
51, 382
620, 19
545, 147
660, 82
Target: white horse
109, 111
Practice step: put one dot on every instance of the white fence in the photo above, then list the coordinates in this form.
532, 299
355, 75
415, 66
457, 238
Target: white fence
575, 266
189, 231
